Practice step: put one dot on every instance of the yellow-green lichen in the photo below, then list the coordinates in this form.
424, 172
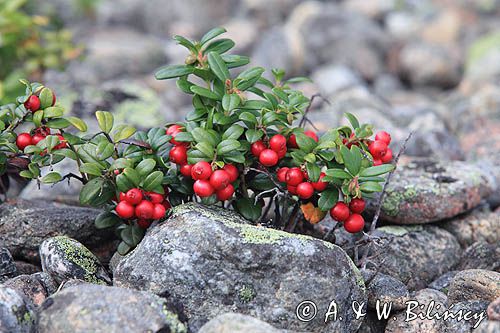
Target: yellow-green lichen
174, 324
247, 294
398, 230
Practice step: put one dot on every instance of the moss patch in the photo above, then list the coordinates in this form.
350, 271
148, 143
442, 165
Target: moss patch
247, 294
397, 230
174, 324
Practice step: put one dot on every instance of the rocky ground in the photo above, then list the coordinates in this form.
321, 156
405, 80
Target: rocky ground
427, 67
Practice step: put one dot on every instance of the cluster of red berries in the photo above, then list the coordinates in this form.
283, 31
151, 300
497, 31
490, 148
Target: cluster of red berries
26, 139
145, 206
178, 154
350, 215
208, 182
297, 182
380, 148
33, 103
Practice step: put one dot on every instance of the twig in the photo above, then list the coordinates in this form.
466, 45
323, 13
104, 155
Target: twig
137, 143
373, 226
304, 116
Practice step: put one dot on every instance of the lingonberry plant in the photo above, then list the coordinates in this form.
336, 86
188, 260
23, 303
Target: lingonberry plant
242, 146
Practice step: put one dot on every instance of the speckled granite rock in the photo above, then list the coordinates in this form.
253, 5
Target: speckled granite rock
16, 314
212, 261
65, 258
25, 224
415, 255
36, 287
238, 323
386, 289
474, 284
8, 268
92, 308
442, 283
424, 191
494, 310
481, 255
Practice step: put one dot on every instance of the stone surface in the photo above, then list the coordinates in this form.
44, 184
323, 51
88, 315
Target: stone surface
474, 284
212, 262
423, 191
65, 258
415, 255
8, 268
481, 255
92, 308
386, 289
237, 323
494, 310
36, 287
25, 224
16, 314
442, 283
481, 225
333, 78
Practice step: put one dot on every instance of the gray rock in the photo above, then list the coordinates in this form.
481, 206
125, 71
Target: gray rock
481, 255
237, 323
478, 311
488, 327
36, 287
481, 225
25, 224
92, 308
415, 255
385, 289
483, 58
212, 262
423, 297
16, 314
26, 268
423, 191
8, 268
494, 310
442, 283
372, 324
65, 258
333, 78
474, 284
424, 64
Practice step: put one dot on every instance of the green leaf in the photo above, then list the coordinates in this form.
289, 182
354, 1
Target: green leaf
183, 137
171, 71
46, 98
327, 140
234, 61
37, 118
328, 199
104, 150
145, 167
121, 163
153, 180
105, 121
186, 43
50, 142
250, 210
313, 171
201, 135
58, 123
91, 168
376, 170
370, 187
305, 143
230, 102
66, 153
123, 132
254, 135
51, 177
77, 123
351, 159
233, 132
352, 119
248, 117
123, 248
218, 66
220, 46
26, 174
132, 175
204, 92
338, 173
206, 148
123, 184
106, 220
234, 156
227, 146
212, 34
132, 235
53, 112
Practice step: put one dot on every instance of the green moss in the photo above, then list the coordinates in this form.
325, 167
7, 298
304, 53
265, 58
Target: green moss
143, 110
175, 325
247, 294
80, 256
398, 230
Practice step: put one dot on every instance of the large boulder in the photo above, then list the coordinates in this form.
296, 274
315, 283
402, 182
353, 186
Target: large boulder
36, 287
16, 314
424, 191
212, 261
474, 284
415, 255
25, 224
237, 323
92, 308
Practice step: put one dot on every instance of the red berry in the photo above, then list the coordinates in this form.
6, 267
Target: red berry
320, 185
178, 155
144, 224
144, 210
63, 142
292, 141
201, 170
340, 212
312, 135
133, 196
37, 138
357, 205
292, 189
23, 140
186, 170
282, 174
116, 172
305, 190
378, 149
277, 143
355, 223
294, 176
305, 174
123, 196
232, 172
226, 193
282, 153
377, 162
219, 179
166, 204
33, 103
384, 137
257, 148
158, 211
155, 198
124, 210
203, 188
268, 157
173, 131
387, 157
